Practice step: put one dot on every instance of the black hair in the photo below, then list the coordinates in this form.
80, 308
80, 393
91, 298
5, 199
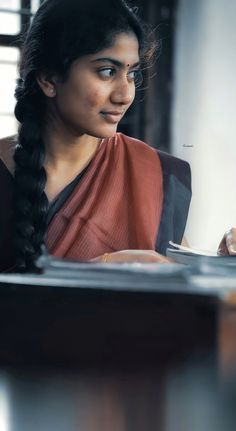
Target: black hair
61, 32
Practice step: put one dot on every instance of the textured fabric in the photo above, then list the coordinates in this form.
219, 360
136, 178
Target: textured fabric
116, 206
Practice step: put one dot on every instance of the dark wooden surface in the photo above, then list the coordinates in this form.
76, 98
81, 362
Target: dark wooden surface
80, 327
91, 360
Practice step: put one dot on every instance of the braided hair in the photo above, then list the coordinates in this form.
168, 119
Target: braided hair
61, 32
30, 201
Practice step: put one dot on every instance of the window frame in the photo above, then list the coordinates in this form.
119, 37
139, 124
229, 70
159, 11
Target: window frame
14, 41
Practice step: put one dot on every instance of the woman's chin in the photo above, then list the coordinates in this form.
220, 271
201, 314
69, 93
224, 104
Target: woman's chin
106, 133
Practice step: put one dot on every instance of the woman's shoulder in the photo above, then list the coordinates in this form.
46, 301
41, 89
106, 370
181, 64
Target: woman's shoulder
138, 151
134, 143
7, 148
168, 161
172, 165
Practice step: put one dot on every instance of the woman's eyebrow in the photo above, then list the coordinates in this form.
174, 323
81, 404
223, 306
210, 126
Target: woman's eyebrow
115, 62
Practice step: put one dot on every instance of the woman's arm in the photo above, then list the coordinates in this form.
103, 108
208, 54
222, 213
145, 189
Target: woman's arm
142, 256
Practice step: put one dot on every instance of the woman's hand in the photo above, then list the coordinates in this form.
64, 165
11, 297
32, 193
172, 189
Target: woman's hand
142, 256
227, 245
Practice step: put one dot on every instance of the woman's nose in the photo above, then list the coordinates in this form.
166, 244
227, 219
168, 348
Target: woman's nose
123, 92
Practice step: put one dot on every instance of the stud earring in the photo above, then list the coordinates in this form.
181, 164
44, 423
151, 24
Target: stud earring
52, 91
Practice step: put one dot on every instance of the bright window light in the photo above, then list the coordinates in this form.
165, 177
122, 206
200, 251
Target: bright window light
9, 21
35, 5
8, 75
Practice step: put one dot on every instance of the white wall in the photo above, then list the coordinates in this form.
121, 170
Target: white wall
204, 114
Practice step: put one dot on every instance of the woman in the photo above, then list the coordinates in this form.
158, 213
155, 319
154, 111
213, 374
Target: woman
86, 191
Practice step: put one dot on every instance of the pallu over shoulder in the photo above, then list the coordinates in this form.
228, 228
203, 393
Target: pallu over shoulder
130, 197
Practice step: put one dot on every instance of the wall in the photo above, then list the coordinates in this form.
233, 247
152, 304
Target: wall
204, 117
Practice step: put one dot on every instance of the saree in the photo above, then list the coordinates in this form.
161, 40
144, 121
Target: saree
130, 197
116, 205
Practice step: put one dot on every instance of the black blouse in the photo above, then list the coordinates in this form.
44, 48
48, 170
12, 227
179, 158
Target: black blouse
59, 200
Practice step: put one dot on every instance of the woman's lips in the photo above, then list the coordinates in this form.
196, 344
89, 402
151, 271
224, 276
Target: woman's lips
112, 116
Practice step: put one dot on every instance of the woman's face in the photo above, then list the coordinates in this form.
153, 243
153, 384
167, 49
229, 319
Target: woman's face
99, 90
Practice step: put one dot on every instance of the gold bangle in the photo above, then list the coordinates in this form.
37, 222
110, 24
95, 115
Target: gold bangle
105, 257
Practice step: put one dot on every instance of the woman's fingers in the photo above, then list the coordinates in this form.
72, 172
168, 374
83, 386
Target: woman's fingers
227, 245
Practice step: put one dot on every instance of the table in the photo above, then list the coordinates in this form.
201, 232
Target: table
117, 351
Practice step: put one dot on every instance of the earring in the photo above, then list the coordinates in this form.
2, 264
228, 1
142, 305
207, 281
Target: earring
52, 91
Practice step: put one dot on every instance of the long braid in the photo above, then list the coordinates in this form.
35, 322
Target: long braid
31, 204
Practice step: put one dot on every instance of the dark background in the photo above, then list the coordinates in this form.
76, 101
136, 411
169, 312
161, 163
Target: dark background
149, 117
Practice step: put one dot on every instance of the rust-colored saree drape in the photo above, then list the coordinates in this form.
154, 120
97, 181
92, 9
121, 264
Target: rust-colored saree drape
129, 197
116, 205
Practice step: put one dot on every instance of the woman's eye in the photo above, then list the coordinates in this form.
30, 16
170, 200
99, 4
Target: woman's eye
134, 75
107, 73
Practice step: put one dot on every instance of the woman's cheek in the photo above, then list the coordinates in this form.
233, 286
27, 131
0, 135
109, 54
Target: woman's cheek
97, 97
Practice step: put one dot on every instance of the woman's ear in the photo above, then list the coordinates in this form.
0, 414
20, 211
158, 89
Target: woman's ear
47, 85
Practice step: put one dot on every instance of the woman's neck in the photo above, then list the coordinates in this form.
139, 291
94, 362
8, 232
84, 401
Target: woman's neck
67, 150
66, 157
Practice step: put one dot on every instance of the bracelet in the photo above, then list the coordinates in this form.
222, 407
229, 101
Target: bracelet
105, 257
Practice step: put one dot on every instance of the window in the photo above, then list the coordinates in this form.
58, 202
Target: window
9, 16
15, 16
8, 74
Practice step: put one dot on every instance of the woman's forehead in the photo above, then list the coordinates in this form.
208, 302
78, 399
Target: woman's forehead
125, 49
